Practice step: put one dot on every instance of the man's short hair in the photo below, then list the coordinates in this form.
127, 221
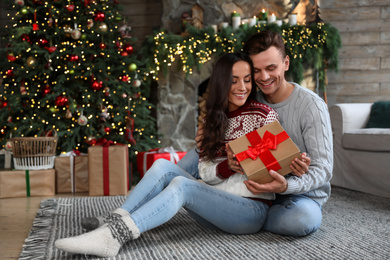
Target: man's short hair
262, 41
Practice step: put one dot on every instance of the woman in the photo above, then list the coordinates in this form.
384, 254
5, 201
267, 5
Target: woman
222, 201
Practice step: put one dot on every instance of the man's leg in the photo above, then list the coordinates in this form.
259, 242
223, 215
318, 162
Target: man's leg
293, 215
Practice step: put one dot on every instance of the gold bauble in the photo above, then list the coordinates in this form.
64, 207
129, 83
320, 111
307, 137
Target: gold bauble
103, 27
30, 61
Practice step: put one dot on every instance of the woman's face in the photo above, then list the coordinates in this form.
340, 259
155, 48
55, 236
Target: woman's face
241, 85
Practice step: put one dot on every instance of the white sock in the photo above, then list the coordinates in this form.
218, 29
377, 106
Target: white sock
92, 223
105, 241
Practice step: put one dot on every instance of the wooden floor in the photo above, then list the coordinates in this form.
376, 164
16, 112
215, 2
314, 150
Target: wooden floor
16, 218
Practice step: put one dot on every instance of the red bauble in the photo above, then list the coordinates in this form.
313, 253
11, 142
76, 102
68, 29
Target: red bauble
70, 8
118, 45
43, 42
11, 57
124, 53
61, 101
3, 103
26, 38
46, 90
107, 130
35, 27
96, 85
99, 16
51, 49
73, 58
9, 73
128, 48
103, 46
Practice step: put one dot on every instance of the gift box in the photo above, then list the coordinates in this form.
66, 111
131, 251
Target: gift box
6, 160
145, 160
108, 167
27, 183
71, 173
267, 148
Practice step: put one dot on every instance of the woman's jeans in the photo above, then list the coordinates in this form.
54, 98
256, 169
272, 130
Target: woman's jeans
294, 215
166, 188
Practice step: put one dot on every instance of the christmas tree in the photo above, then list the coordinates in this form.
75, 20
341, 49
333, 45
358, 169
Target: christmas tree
69, 69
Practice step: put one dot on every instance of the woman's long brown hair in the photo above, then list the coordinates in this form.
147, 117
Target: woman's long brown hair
217, 102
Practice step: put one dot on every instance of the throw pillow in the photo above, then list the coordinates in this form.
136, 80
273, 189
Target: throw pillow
379, 115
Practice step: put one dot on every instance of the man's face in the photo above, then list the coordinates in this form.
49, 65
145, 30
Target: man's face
270, 67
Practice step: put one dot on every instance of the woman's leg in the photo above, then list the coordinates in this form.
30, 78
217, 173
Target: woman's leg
293, 215
189, 163
155, 180
228, 212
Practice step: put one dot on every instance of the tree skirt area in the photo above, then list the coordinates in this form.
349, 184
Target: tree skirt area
355, 226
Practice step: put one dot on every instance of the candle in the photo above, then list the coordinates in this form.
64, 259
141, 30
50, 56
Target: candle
271, 18
223, 25
215, 27
261, 22
236, 20
263, 15
292, 19
252, 21
278, 22
244, 23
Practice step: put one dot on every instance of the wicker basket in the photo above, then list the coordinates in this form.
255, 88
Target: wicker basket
34, 153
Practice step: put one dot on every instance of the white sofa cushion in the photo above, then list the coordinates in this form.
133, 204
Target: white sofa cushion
367, 139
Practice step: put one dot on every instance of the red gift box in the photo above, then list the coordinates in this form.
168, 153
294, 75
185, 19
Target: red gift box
145, 160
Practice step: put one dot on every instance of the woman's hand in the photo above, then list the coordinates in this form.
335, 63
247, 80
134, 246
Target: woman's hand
234, 165
300, 167
278, 185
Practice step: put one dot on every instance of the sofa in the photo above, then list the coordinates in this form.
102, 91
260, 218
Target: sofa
361, 155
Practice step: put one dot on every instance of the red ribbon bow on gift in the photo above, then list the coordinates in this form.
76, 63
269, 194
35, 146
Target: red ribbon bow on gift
261, 148
104, 142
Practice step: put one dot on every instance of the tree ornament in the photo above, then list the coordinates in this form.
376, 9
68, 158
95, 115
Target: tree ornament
107, 91
23, 90
136, 95
11, 57
129, 129
3, 103
91, 140
68, 114
51, 49
83, 37
50, 22
90, 23
125, 30
8, 146
30, 61
76, 34
104, 115
102, 46
107, 130
70, 8
124, 53
132, 67
43, 42
96, 85
19, 2
136, 83
82, 120
24, 11
26, 38
46, 90
9, 73
103, 27
73, 58
61, 101
125, 78
68, 29
118, 45
128, 48
99, 16
118, 17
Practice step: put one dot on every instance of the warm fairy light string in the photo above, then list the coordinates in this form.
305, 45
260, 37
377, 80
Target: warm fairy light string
201, 50
63, 47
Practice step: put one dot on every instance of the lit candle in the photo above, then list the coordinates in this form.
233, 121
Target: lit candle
252, 21
292, 19
215, 27
271, 18
236, 20
263, 15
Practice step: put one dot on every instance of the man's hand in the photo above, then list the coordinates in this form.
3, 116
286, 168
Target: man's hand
199, 136
299, 167
278, 185
234, 165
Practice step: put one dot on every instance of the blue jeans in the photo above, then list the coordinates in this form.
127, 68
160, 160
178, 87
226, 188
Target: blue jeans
166, 188
293, 215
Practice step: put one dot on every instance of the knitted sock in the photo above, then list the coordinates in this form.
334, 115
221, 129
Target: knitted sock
92, 223
105, 241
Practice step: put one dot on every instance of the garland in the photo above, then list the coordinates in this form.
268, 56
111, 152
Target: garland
315, 46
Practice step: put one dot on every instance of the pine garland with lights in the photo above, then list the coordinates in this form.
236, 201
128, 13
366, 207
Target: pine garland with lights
70, 67
315, 46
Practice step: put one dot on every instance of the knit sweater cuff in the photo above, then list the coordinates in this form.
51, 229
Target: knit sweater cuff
223, 170
292, 186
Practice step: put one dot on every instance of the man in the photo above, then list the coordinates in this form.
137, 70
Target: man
297, 210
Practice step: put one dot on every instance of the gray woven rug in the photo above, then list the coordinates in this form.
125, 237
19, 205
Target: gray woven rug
355, 226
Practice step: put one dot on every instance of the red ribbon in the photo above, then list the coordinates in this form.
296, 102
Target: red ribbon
106, 165
261, 148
